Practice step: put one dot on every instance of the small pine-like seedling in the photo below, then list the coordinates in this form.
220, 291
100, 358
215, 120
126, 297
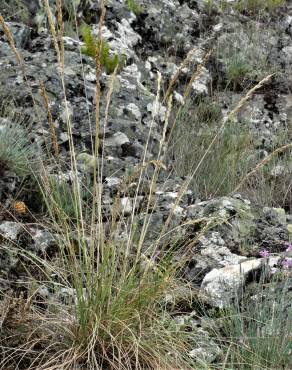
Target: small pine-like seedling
134, 7
91, 47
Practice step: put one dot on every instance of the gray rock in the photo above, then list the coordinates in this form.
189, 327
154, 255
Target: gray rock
205, 350
20, 33
43, 241
212, 253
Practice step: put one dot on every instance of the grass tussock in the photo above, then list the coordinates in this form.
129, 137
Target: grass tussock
256, 331
108, 308
17, 152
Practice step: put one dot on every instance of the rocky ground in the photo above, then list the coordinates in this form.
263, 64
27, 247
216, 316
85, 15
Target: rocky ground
230, 237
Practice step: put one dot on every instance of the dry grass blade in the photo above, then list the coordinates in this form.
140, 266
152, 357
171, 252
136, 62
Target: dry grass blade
60, 31
54, 140
60, 56
97, 191
97, 75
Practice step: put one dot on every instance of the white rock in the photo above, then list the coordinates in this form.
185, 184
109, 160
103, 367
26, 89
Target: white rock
10, 229
133, 108
200, 85
221, 286
112, 181
43, 239
118, 139
126, 206
157, 109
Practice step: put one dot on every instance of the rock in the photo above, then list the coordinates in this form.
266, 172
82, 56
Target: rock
200, 85
242, 225
44, 241
10, 230
8, 261
275, 216
221, 286
20, 33
66, 296
118, 139
43, 292
212, 253
205, 349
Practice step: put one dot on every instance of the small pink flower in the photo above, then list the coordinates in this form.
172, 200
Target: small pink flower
287, 263
264, 253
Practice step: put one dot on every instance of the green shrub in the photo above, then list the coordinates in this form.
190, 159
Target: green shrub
91, 47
